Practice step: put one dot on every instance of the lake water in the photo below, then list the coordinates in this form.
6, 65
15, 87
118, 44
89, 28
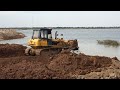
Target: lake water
87, 40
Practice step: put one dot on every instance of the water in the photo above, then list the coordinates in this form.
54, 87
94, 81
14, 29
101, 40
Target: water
87, 40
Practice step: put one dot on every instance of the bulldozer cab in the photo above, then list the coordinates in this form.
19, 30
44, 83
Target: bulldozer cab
42, 34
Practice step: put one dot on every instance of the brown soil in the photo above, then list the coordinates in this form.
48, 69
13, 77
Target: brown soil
80, 64
15, 65
12, 50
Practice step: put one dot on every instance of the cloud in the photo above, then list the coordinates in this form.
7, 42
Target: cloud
59, 18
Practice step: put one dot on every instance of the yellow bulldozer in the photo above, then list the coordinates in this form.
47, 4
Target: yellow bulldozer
42, 42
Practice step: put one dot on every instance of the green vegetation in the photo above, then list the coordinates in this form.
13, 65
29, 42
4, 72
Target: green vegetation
109, 42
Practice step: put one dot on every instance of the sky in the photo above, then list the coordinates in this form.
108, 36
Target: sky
59, 18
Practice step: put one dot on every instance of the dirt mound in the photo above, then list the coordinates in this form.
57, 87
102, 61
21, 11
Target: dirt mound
65, 65
7, 34
69, 62
10, 50
29, 67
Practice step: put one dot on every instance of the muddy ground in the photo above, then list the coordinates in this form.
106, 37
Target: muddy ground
14, 64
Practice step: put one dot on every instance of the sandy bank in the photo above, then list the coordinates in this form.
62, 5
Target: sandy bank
7, 34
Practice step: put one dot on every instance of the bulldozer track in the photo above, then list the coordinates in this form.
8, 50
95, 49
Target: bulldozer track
44, 51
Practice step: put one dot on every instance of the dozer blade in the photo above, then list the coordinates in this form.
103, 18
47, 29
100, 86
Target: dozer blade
29, 51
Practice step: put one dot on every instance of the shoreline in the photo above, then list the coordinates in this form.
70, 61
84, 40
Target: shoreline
26, 28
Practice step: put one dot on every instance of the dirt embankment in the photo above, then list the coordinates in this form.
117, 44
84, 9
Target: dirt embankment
65, 65
7, 34
13, 50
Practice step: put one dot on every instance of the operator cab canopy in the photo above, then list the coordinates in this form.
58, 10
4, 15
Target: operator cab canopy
43, 33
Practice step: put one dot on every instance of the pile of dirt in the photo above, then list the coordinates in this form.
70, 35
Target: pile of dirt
29, 67
65, 65
11, 50
80, 64
112, 72
10, 34
17, 36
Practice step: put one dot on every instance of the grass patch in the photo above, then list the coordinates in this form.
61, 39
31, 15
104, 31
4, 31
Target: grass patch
109, 42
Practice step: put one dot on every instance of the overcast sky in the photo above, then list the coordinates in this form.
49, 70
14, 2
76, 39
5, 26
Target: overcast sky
59, 18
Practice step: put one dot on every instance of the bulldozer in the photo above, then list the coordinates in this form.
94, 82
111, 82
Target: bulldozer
42, 42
